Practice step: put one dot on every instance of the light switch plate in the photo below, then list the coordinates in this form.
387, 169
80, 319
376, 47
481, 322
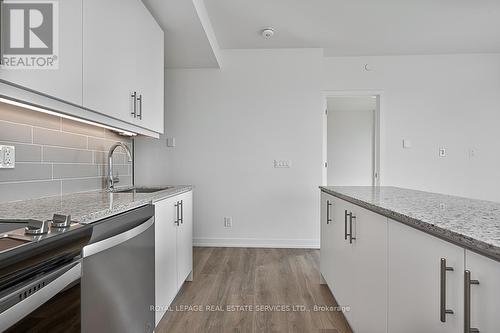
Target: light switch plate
282, 164
170, 142
228, 222
442, 152
406, 143
7, 157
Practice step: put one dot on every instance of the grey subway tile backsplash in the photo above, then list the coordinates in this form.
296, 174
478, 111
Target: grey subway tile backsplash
15, 132
66, 155
56, 156
29, 190
47, 137
26, 152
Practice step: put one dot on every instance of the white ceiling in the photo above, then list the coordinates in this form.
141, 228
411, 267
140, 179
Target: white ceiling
360, 27
187, 35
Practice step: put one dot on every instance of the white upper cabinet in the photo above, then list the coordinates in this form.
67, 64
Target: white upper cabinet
123, 62
65, 82
150, 72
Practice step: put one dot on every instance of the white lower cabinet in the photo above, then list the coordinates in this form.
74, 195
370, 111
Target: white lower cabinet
485, 296
415, 277
354, 262
173, 249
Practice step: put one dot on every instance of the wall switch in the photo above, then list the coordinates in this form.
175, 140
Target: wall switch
471, 153
442, 152
7, 157
228, 222
406, 143
170, 142
282, 164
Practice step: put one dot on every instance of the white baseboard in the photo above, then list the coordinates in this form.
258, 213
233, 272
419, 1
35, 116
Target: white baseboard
257, 242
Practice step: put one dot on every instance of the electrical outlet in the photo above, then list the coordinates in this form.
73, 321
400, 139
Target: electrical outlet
228, 222
442, 152
7, 157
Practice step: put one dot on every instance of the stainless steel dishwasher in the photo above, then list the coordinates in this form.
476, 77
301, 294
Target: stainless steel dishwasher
118, 269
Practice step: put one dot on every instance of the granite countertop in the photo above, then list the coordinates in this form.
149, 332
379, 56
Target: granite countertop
85, 207
473, 224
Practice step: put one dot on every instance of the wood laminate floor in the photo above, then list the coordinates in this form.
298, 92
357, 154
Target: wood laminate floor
252, 279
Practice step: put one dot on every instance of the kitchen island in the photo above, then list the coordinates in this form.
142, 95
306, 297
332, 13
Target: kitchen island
411, 261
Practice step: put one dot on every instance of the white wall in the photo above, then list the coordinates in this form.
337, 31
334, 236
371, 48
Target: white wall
451, 101
230, 125
350, 140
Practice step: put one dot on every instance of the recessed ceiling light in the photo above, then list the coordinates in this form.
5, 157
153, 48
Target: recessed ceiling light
267, 33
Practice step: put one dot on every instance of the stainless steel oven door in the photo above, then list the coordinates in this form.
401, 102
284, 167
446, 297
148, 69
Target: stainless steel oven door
27, 297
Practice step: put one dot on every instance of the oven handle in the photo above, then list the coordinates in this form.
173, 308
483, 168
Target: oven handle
108, 243
20, 310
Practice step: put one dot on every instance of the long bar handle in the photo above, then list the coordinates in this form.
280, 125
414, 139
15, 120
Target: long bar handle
177, 206
328, 218
443, 310
134, 100
182, 212
467, 283
139, 99
351, 238
345, 224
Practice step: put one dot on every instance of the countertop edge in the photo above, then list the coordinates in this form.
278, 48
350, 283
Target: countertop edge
155, 197
466, 242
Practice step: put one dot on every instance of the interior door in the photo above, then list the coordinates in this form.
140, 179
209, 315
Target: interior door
185, 238
414, 279
369, 251
64, 83
165, 256
350, 140
485, 296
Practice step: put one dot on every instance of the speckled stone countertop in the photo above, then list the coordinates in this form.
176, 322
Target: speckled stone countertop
84, 207
473, 224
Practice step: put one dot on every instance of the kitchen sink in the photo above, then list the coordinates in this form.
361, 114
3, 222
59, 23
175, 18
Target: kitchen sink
143, 189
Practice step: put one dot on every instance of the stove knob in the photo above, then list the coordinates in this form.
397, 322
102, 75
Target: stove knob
61, 221
36, 227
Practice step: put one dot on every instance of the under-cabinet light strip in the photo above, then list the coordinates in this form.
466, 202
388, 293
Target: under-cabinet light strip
62, 115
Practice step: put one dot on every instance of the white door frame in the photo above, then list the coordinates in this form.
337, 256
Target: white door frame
376, 132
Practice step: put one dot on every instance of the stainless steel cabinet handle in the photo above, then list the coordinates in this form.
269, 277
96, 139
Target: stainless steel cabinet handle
345, 224
177, 220
467, 283
182, 212
134, 100
328, 205
443, 310
139, 99
351, 217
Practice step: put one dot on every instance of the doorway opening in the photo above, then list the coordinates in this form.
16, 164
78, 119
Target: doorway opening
351, 140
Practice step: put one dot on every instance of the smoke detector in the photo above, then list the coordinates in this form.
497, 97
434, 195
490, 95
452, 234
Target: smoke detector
267, 33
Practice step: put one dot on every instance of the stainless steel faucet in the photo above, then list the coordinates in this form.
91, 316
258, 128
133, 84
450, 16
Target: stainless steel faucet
112, 180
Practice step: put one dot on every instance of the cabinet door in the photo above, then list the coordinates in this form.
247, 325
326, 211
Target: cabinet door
150, 71
341, 283
327, 237
368, 302
185, 239
165, 255
485, 296
109, 61
414, 280
64, 83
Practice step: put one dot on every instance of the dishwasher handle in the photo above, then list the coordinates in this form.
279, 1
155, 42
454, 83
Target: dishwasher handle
111, 242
